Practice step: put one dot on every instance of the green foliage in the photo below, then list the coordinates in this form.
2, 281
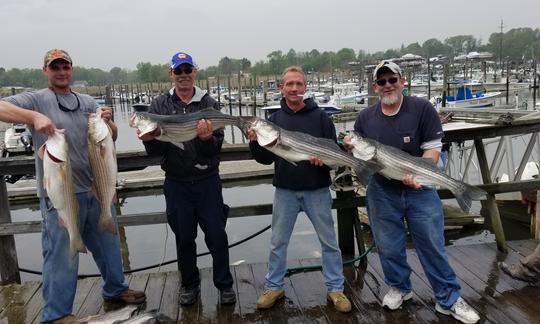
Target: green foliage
518, 45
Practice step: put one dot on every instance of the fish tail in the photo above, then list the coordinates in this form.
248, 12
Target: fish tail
467, 194
106, 222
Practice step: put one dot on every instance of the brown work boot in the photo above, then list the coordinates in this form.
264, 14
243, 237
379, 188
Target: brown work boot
68, 319
340, 301
129, 296
269, 298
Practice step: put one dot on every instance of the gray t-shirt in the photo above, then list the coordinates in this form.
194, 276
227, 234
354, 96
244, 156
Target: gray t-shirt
74, 121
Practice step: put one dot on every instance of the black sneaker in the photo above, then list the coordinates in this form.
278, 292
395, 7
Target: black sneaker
188, 296
227, 296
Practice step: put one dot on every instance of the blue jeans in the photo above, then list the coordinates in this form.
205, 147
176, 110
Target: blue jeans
317, 205
60, 269
389, 206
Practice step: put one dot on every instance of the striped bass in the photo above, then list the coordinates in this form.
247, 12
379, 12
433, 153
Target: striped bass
102, 156
111, 317
177, 129
398, 163
57, 181
297, 146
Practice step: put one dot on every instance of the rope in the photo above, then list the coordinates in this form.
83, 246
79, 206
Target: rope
82, 276
290, 271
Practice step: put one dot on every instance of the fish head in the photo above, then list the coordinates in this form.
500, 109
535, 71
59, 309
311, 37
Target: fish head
97, 128
267, 133
362, 148
143, 123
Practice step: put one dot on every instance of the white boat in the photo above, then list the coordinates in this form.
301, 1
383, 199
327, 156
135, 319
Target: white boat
329, 108
17, 140
465, 98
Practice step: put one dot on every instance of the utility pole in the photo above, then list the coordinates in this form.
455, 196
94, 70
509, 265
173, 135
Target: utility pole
501, 45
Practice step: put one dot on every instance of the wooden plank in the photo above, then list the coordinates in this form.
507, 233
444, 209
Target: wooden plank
287, 310
423, 290
247, 294
524, 247
311, 294
476, 257
485, 299
169, 300
375, 281
327, 307
32, 310
93, 302
361, 296
17, 297
154, 291
209, 296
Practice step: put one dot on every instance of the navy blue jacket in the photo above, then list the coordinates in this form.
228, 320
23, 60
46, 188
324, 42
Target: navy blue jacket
199, 159
304, 176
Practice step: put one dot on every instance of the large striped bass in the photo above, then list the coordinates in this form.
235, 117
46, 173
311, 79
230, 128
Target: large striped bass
116, 316
102, 156
297, 146
181, 128
58, 183
398, 163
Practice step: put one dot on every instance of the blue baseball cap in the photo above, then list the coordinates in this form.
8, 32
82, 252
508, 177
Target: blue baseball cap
181, 58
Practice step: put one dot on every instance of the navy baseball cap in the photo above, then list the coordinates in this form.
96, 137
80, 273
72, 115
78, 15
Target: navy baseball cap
181, 58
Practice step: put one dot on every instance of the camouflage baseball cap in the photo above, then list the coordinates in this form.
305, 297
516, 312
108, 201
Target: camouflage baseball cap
56, 54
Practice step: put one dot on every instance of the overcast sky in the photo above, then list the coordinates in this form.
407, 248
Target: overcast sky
108, 33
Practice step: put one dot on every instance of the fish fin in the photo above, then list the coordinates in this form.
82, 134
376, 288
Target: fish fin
61, 222
365, 169
41, 151
102, 149
467, 195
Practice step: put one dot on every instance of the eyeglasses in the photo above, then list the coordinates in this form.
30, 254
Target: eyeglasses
382, 82
60, 67
66, 109
183, 69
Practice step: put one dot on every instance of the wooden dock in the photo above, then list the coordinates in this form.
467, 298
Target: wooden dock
494, 295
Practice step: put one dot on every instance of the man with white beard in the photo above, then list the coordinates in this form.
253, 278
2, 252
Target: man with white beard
412, 125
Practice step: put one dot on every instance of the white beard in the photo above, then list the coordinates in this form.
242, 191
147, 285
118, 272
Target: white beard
390, 100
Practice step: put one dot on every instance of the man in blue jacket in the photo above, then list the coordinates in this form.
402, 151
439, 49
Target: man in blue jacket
192, 188
301, 187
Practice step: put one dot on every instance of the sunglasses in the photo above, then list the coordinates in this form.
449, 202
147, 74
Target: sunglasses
382, 82
60, 67
66, 109
183, 69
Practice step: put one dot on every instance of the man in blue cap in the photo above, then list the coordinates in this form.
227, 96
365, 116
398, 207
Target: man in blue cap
192, 187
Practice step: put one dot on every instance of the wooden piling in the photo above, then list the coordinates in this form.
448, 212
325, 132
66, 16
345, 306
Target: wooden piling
9, 271
490, 204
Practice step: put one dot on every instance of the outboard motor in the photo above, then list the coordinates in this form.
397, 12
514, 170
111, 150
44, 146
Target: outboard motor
26, 140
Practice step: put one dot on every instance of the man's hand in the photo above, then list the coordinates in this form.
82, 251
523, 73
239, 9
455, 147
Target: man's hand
347, 143
315, 160
43, 124
204, 129
409, 180
106, 112
149, 136
251, 135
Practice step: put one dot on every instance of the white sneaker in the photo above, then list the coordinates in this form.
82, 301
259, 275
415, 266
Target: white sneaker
395, 297
460, 311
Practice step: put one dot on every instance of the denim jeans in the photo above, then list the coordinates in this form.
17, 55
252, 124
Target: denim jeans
389, 206
60, 269
317, 205
198, 203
